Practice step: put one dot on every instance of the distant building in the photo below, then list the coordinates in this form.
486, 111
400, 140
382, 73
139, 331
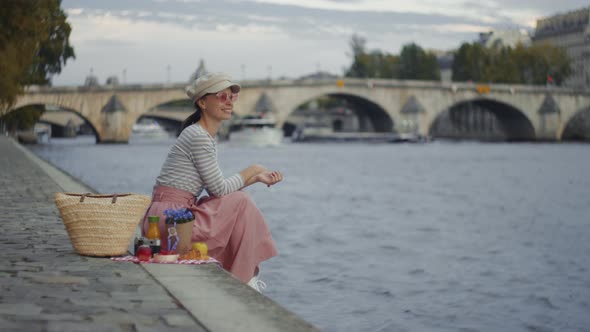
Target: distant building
112, 80
445, 63
319, 75
504, 38
444, 59
91, 80
570, 31
201, 70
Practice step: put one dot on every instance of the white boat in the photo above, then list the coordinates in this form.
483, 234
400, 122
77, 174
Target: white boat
149, 128
323, 133
312, 132
255, 130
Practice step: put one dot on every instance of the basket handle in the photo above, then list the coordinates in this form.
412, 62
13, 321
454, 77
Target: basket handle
87, 194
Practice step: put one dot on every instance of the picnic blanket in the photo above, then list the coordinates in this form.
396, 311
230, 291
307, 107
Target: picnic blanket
136, 260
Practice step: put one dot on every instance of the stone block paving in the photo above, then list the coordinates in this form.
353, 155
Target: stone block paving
46, 286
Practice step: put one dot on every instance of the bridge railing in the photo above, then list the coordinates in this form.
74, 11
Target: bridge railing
342, 82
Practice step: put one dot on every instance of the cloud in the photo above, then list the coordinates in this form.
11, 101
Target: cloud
293, 37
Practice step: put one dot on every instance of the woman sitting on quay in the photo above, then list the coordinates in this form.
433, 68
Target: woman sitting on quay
228, 221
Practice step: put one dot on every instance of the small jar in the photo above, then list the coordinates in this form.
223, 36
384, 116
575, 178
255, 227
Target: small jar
144, 253
137, 243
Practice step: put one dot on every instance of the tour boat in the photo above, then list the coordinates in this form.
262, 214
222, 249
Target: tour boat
324, 133
255, 130
149, 128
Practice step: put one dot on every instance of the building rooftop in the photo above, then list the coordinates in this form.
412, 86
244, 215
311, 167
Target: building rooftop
570, 22
504, 37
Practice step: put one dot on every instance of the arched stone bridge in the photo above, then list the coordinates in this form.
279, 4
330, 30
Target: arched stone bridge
528, 112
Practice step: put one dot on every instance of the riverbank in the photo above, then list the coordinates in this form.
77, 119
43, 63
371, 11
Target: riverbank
47, 286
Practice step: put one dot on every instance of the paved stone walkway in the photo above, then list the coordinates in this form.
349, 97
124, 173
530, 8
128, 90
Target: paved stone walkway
46, 286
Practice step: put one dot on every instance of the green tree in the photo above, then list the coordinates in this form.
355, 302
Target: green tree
382, 65
518, 65
501, 66
412, 63
360, 63
541, 61
416, 64
24, 119
358, 45
374, 64
469, 62
34, 45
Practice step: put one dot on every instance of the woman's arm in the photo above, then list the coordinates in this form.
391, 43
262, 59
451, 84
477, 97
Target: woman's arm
204, 157
267, 177
249, 174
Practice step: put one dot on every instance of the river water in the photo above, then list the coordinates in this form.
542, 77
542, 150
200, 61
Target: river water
402, 237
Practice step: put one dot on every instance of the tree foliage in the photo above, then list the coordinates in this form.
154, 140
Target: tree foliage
359, 67
469, 62
417, 64
375, 64
34, 45
24, 119
537, 64
413, 62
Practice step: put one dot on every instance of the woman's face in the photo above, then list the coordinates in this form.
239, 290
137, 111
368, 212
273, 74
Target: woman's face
219, 105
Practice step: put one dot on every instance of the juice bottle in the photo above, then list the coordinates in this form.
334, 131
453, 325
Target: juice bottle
153, 234
153, 231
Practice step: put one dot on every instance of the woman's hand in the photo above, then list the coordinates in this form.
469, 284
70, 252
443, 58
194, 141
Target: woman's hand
269, 178
258, 168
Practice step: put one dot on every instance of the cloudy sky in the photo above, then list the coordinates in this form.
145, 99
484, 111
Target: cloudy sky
155, 41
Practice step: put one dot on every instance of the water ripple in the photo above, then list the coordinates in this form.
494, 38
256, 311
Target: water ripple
436, 237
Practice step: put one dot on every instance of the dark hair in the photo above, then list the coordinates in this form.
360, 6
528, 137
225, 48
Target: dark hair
193, 118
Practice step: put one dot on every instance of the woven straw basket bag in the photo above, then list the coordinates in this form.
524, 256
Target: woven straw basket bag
101, 225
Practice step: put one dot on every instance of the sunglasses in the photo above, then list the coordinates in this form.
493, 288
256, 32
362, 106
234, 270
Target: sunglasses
225, 96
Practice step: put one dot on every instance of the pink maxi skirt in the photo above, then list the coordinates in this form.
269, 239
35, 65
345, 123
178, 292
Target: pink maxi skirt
231, 225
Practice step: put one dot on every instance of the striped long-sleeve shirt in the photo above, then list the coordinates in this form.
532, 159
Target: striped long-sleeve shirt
192, 165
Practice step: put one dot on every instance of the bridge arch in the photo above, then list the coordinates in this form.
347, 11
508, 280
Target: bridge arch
577, 127
62, 108
371, 115
483, 119
114, 126
158, 99
170, 114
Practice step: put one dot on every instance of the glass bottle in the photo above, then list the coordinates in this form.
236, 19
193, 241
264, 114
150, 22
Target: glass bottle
153, 234
153, 231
